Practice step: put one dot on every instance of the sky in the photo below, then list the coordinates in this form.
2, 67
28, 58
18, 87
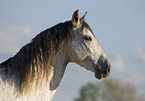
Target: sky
118, 25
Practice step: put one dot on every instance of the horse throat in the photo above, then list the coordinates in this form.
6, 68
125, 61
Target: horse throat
58, 70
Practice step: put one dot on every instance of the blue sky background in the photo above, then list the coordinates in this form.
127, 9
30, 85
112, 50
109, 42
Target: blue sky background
119, 26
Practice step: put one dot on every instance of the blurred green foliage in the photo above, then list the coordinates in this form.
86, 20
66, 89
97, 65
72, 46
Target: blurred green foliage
110, 90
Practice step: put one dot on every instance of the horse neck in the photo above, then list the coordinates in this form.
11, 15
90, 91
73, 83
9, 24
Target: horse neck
58, 69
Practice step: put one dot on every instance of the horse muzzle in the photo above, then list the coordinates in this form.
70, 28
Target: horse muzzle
102, 69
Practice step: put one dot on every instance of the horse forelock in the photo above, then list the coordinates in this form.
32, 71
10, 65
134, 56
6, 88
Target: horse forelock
35, 58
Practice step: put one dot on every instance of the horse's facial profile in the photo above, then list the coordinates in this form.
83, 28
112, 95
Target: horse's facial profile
85, 50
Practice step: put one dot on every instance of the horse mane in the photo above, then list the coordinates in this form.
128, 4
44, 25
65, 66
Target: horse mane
34, 59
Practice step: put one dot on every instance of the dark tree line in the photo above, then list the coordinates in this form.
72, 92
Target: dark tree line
109, 90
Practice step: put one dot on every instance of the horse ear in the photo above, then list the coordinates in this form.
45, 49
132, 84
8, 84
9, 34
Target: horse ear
83, 18
76, 19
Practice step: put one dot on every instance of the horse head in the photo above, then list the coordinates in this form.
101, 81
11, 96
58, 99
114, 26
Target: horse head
84, 49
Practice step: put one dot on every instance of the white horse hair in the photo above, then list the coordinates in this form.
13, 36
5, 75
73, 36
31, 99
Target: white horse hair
35, 72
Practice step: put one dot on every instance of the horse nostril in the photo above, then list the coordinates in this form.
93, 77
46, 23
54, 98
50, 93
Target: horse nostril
108, 70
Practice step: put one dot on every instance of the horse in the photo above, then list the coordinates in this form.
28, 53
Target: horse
35, 72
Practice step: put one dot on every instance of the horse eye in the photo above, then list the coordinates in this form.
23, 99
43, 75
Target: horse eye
88, 38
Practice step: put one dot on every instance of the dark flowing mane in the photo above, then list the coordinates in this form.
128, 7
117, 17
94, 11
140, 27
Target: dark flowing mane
33, 60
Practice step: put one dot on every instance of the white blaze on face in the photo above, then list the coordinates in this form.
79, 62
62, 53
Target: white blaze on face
85, 49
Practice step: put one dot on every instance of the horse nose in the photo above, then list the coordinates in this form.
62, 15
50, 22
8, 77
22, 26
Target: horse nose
104, 66
108, 68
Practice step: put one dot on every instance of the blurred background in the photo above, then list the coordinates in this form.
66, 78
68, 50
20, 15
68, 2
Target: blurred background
118, 25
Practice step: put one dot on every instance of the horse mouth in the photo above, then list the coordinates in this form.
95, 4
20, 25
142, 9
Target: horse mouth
101, 76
